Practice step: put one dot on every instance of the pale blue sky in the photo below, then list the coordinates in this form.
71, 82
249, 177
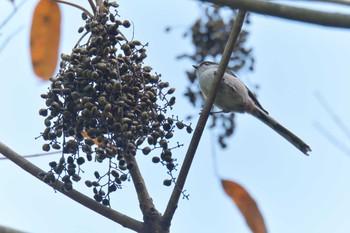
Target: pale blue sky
295, 193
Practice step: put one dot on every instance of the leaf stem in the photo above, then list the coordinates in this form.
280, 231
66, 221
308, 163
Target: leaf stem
76, 6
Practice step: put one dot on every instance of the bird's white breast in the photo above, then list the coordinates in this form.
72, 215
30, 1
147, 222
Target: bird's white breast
232, 94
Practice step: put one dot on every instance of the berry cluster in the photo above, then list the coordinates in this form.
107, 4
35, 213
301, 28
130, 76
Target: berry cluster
105, 103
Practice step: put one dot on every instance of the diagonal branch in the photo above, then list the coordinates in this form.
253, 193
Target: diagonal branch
113, 215
174, 199
288, 12
4, 229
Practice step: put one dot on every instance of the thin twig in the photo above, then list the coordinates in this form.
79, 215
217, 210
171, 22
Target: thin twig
174, 199
76, 6
8, 38
80, 39
36, 155
288, 12
124, 37
341, 125
330, 137
93, 7
15, 9
109, 213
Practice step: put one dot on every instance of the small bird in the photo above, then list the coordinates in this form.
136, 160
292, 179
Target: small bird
234, 96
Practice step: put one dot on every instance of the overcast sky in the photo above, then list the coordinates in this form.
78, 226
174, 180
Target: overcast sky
295, 193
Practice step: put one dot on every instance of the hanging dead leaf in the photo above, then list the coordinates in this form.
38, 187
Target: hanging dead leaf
85, 135
44, 38
246, 205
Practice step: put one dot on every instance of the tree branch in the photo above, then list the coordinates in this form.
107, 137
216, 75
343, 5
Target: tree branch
150, 213
174, 199
288, 12
341, 2
4, 229
113, 215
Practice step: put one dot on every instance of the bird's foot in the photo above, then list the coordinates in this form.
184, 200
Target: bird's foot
212, 113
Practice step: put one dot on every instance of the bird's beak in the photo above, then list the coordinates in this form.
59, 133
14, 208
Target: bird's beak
195, 66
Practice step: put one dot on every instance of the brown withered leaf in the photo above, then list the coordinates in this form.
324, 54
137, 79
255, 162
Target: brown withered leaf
44, 38
246, 205
85, 135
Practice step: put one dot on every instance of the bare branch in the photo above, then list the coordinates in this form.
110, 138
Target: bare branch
109, 213
288, 12
146, 203
4, 229
174, 199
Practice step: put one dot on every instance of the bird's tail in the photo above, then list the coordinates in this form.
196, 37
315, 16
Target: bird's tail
289, 136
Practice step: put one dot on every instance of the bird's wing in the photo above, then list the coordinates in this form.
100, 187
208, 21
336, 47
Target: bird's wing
252, 96
231, 73
232, 82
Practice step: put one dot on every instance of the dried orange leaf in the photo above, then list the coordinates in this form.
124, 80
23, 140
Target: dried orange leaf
85, 135
45, 38
246, 205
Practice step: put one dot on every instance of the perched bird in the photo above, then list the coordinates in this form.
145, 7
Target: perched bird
234, 96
